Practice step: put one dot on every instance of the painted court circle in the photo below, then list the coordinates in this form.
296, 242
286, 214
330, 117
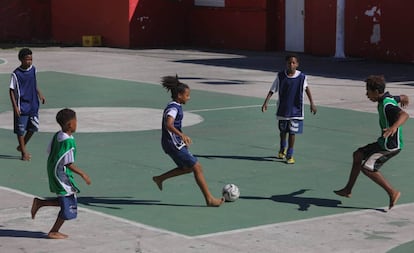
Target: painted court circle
104, 119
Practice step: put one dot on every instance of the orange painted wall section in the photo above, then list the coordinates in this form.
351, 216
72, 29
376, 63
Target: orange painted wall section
380, 29
71, 19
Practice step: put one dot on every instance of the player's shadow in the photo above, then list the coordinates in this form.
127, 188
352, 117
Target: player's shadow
305, 203
240, 157
117, 203
21, 233
12, 157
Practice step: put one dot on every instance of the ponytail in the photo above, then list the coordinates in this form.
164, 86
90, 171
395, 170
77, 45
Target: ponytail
172, 84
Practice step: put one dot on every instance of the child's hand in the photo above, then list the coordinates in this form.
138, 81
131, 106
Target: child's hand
388, 132
87, 179
264, 107
43, 99
187, 140
313, 109
404, 101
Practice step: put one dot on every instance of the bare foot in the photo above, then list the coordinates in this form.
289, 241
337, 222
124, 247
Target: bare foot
343, 193
158, 182
393, 199
56, 235
35, 207
215, 202
26, 157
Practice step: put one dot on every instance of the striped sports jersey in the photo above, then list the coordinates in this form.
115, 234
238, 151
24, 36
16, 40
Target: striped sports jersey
23, 83
169, 139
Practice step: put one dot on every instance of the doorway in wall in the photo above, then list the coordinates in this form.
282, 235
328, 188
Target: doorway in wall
295, 25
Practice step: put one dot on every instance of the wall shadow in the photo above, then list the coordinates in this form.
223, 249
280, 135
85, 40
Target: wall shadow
347, 68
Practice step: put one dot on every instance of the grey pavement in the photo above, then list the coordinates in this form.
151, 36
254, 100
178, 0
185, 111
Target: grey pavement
334, 83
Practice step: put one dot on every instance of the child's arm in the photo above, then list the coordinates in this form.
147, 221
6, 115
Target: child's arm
171, 128
312, 105
264, 106
41, 97
403, 100
13, 101
402, 118
80, 172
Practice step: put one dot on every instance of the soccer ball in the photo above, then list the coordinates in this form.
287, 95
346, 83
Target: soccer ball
231, 192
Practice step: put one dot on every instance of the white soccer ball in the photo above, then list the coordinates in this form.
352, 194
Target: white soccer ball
231, 192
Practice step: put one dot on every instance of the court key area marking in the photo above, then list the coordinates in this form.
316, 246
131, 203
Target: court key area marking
104, 119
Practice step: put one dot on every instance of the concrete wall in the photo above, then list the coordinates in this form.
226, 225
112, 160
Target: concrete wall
25, 20
380, 29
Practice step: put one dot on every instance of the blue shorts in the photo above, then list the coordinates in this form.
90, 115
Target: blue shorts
25, 123
182, 158
292, 126
68, 207
374, 156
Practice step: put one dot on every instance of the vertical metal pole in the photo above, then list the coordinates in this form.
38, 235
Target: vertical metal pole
340, 29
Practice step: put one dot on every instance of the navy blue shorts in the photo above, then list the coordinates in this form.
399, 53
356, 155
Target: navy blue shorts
25, 123
68, 207
182, 158
292, 126
374, 156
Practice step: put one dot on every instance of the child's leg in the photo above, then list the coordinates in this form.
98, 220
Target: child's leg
201, 182
54, 232
22, 148
283, 136
292, 138
378, 178
169, 174
38, 203
356, 169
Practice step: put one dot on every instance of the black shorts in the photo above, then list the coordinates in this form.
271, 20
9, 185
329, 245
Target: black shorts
374, 156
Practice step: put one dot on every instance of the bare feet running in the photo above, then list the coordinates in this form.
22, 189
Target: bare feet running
393, 199
158, 182
56, 235
26, 157
215, 202
35, 207
343, 193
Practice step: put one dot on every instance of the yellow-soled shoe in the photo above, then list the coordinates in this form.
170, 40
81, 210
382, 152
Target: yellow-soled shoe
290, 160
282, 154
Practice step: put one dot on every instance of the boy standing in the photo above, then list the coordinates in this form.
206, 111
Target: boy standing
60, 168
371, 157
291, 85
25, 96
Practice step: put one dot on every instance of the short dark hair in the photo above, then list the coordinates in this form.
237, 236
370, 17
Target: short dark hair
376, 82
64, 116
291, 55
24, 52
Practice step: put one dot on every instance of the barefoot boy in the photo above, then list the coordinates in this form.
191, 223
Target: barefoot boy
371, 157
60, 168
25, 96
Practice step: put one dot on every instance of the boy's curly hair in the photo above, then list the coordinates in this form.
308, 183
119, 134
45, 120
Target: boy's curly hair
376, 83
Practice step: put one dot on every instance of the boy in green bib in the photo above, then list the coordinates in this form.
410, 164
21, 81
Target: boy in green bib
371, 157
60, 169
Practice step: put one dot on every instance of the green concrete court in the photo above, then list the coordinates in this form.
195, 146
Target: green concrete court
235, 143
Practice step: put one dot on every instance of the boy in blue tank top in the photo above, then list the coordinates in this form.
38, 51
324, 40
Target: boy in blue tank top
291, 86
371, 157
25, 96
